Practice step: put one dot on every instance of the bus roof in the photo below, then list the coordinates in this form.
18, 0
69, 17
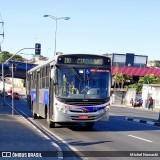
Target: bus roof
43, 64
54, 60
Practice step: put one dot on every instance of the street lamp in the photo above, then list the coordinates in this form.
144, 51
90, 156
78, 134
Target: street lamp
56, 19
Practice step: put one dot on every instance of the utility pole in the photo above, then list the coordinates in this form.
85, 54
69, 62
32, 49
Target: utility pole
2, 34
12, 69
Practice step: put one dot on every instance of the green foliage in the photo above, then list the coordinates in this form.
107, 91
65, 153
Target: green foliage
6, 55
157, 80
18, 58
148, 79
157, 63
121, 78
118, 78
137, 86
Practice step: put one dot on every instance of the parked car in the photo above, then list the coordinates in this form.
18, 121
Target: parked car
9, 92
5, 94
15, 95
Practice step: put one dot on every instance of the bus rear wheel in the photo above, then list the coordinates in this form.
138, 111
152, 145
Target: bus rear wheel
89, 125
51, 124
35, 116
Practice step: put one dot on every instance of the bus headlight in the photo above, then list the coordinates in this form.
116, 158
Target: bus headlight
65, 110
101, 111
107, 107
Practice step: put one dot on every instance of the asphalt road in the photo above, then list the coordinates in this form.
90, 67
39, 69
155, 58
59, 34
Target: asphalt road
135, 112
116, 135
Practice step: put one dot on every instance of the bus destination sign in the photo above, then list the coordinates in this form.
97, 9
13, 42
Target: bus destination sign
73, 60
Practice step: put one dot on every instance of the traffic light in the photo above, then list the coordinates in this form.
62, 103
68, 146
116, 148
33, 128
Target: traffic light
37, 49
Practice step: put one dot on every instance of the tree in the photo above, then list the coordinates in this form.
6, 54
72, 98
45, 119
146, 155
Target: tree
137, 86
121, 79
157, 63
115, 77
117, 80
126, 78
148, 79
6, 55
157, 80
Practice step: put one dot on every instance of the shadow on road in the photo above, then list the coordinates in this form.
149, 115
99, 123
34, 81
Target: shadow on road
81, 143
115, 124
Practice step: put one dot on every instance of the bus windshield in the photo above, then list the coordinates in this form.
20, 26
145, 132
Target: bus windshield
83, 83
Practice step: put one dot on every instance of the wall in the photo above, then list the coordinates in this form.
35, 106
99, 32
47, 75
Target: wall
123, 97
151, 91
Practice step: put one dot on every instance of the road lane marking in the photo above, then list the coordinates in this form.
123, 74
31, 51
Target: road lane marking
46, 137
60, 153
150, 123
136, 120
140, 138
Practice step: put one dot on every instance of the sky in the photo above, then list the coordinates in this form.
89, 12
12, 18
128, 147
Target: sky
95, 26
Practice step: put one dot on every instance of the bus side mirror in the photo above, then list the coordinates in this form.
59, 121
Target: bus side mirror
54, 76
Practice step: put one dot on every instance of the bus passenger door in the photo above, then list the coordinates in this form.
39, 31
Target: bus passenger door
51, 93
51, 109
37, 92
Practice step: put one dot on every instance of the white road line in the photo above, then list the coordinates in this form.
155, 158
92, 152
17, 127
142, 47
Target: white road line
22, 112
113, 114
59, 138
140, 138
60, 153
46, 137
150, 122
137, 123
136, 120
40, 131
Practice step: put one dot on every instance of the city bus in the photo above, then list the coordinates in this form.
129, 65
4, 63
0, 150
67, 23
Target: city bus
71, 88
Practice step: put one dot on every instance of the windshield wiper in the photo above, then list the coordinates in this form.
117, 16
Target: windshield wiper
75, 73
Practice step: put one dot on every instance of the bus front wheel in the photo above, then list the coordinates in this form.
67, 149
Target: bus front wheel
89, 125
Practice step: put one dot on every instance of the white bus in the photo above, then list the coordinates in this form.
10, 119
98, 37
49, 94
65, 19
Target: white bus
71, 88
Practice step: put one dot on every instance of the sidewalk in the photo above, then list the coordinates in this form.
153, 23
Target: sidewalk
141, 108
18, 135
149, 121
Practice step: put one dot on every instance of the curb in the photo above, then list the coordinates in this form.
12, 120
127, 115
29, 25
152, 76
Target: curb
149, 122
138, 108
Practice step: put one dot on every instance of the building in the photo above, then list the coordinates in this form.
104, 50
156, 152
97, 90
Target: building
131, 64
151, 64
128, 59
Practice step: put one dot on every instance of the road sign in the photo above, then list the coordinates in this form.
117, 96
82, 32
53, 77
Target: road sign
37, 49
12, 65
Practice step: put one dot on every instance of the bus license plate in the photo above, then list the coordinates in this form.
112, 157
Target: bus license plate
83, 117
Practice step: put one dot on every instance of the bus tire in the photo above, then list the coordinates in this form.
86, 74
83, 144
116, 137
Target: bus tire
46, 113
89, 125
51, 124
35, 116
